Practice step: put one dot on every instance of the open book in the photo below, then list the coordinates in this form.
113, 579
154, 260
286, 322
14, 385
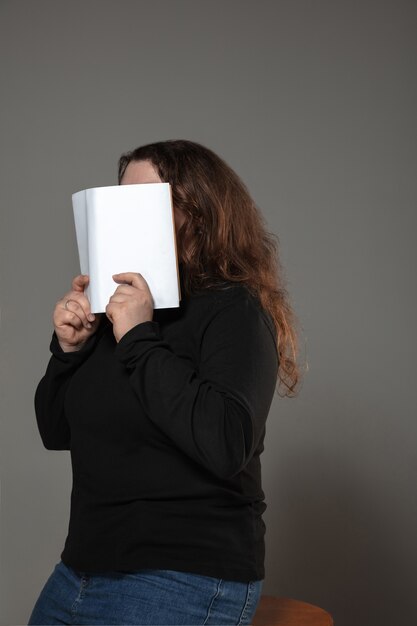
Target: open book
127, 228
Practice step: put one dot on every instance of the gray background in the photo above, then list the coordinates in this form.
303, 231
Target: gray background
313, 104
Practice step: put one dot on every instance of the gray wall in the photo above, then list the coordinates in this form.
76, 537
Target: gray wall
313, 104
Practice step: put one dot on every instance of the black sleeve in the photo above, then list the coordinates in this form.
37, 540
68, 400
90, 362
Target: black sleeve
215, 414
50, 393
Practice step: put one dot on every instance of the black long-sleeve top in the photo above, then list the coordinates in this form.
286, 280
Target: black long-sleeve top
165, 431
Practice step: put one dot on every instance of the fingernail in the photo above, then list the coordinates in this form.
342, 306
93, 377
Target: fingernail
91, 317
88, 325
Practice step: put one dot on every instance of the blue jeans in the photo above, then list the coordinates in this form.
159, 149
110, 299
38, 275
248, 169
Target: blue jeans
148, 596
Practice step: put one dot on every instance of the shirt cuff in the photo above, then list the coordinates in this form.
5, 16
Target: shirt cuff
136, 341
71, 357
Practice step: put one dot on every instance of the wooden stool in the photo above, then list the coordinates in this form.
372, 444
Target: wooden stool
285, 612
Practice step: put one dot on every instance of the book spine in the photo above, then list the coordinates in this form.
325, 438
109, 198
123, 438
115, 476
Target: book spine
94, 286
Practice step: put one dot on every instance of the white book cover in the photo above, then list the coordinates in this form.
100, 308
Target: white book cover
127, 228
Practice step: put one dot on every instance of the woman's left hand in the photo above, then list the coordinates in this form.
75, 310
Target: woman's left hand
131, 303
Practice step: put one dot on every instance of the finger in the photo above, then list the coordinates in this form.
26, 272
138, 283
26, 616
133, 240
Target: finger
133, 278
73, 305
126, 289
109, 312
82, 299
80, 282
63, 317
70, 318
117, 299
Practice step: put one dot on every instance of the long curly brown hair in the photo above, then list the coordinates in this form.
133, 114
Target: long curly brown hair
225, 235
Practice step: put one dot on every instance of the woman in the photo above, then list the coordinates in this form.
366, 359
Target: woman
164, 414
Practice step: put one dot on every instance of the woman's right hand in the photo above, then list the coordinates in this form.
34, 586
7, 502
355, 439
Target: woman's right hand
73, 321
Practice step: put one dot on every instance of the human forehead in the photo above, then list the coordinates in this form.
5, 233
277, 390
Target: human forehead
139, 172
